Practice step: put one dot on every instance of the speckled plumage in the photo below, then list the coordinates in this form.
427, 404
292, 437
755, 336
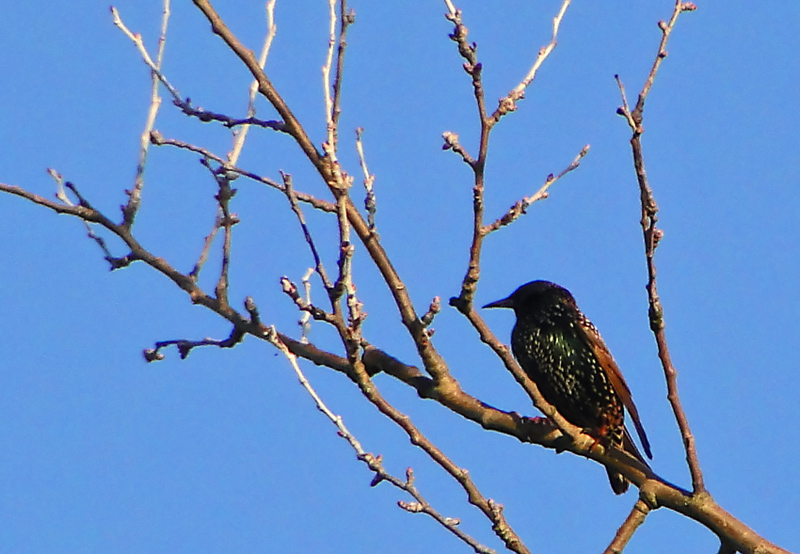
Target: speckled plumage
563, 353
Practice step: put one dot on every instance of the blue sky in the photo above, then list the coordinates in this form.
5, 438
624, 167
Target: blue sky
224, 451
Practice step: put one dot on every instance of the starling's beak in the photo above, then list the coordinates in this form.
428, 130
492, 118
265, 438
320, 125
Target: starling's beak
504, 303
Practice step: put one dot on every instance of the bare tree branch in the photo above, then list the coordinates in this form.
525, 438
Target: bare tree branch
628, 528
375, 463
652, 235
132, 206
292, 197
519, 208
195, 273
451, 143
241, 135
186, 346
317, 203
509, 103
223, 197
369, 180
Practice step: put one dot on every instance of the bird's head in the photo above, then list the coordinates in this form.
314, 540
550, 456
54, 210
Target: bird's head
534, 296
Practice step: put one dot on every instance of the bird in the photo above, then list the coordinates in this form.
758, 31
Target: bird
562, 352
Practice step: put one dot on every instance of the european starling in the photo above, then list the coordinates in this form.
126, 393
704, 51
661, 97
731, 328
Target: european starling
563, 353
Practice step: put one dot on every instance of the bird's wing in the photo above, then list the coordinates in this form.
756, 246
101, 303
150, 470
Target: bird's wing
618, 382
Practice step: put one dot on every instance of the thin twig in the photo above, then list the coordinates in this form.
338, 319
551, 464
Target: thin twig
230, 122
195, 272
330, 120
317, 203
134, 200
344, 281
652, 235
333, 292
186, 346
114, 261
223, 197
433, 310
519, 208
319, 314
369, 180
451, 142
345, 20
468, 51
292, 197
240, 135
154, 66
305, 318
509, 103
666, 29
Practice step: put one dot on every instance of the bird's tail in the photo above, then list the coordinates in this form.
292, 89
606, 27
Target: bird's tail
630, 447
619, 484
